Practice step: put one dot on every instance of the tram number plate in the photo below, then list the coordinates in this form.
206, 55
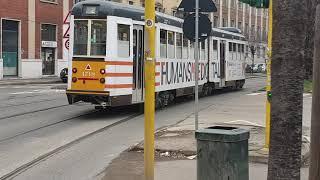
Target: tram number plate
88, 74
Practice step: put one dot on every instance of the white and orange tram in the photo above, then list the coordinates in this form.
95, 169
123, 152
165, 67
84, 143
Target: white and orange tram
106, 64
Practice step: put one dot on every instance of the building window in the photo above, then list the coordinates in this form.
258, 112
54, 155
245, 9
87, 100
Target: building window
246, 29
240, 25
131, 2
215, 21
48, 32
174, 12
232, 23
50, 1
233, 3
76, 1
225, 3
123, 40
224, 22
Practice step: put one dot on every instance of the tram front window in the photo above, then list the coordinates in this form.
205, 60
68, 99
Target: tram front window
97, 38
80, 37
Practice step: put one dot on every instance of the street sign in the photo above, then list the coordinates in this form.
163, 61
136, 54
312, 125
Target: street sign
204, 27
204, 6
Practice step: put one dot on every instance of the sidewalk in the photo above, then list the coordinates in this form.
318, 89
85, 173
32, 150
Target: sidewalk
176, 145
22, 81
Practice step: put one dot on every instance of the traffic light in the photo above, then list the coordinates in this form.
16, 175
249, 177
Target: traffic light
257, 3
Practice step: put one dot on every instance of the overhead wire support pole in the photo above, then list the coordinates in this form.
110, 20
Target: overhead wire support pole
196, 54
149, 106
268, 86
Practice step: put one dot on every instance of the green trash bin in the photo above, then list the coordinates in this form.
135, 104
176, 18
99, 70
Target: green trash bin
222, 153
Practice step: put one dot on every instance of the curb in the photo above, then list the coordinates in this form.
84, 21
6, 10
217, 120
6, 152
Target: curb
26, 82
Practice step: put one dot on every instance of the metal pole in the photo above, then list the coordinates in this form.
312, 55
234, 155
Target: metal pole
268, 87
314, 170
196, 54
149, 106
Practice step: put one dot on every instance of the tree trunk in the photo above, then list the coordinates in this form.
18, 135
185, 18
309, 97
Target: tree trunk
315, 119
287, 89
309, 41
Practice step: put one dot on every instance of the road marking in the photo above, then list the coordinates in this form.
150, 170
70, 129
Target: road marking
39, 91
255, 94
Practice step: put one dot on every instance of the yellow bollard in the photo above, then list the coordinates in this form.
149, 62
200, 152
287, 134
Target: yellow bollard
149, 106
268, 87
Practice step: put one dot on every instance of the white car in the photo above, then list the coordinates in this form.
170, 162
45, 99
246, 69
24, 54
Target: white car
261, 67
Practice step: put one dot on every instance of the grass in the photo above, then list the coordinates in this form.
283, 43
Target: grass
307, 87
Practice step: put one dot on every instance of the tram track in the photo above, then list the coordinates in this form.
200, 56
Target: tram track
28, 103
48, 125
31, 112
45, 156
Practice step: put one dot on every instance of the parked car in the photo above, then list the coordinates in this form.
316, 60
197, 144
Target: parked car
261, 67
64, 75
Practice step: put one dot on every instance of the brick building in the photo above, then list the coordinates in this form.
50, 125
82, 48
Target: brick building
31, 37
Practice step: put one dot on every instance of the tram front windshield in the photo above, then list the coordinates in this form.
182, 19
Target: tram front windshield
90, 37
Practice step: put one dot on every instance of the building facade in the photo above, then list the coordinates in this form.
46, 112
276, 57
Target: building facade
31, 37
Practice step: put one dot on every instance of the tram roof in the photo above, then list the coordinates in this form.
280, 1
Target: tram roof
106, 8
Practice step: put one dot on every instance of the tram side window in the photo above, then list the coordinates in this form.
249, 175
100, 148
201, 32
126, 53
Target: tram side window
191, 50
80, 37
98, 38
230, 51
185, 50
215, 49
163, 43
239, 52
123, 40
234, 57
171, 45
203, 50
179, 45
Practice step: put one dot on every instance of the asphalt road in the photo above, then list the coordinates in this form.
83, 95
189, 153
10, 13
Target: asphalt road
42, 137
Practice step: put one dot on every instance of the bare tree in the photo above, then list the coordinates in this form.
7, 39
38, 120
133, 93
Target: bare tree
287, 89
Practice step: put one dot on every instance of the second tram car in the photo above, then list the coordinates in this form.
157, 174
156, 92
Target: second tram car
106, 65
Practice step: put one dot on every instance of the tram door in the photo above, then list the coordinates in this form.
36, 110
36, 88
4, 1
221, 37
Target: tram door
138, 64
222, 63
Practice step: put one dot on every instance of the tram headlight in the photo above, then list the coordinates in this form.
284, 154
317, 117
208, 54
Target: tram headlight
74, 79
102, 80
102, 71
74, 70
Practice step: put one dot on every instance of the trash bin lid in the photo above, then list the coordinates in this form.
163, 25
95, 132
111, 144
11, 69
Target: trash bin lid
222, 134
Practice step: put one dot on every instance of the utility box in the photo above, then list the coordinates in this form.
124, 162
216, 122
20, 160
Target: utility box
222, 153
